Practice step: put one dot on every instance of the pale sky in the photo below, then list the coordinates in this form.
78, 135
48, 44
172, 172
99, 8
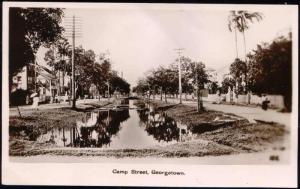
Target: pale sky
142, 38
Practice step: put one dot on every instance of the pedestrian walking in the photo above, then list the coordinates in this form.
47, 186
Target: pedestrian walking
35, 100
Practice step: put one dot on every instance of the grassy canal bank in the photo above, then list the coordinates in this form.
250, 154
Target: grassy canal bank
214, 133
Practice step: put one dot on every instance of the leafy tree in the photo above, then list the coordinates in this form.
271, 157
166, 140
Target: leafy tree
119, 84
213, 87
29, 29
186, 71
226, 83
64, 59
141, 87
84, 69
160, 80
171, 82
152, 82
270, 69
199, 79
58, 54
102, 76
198, 74
165, 79
98, 79
238, 70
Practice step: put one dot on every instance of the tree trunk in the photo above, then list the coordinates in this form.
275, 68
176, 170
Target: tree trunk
236, 45
199, 101
165, 97
245, 49
59, 85
63, 82
197, 93
154, 94
99, 93
161, 95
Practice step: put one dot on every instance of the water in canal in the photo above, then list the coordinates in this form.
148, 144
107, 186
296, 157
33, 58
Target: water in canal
121, 128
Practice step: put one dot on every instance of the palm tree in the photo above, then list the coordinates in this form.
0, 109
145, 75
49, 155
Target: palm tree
232, 25
63, 48
240, 20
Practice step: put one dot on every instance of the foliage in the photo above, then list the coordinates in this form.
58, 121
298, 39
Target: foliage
29, 29
240, 19
89, 73
238, 70
226, 83
270, 69
186, 70
119, 84
165, 79
213, 87
141, 87
198, 74
58, 56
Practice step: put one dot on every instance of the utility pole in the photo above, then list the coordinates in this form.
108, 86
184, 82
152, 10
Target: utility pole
179, 51
73, 31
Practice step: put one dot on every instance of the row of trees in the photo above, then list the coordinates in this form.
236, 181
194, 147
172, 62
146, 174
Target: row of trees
267, 69
164, 80
89, 71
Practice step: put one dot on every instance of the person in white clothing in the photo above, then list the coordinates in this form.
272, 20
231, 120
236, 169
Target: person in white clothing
36, 99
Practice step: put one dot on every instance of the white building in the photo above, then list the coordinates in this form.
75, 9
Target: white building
46, 81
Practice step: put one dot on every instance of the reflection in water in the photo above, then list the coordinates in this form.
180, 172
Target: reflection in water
114, 129
106, 125
95, 130
162, 127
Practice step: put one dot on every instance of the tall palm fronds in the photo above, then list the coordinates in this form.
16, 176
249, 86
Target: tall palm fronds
239, 20
232, 25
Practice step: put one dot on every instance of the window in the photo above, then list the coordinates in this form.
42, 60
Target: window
30, 80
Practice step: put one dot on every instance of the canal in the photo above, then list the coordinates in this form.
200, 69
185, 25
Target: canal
121, 128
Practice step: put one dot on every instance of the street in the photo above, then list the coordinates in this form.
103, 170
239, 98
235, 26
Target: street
249, 112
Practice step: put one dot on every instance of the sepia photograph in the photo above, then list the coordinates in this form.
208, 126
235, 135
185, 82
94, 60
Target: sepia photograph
147, 84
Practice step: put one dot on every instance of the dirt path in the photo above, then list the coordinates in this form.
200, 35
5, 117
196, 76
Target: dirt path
250, 113
80, 104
